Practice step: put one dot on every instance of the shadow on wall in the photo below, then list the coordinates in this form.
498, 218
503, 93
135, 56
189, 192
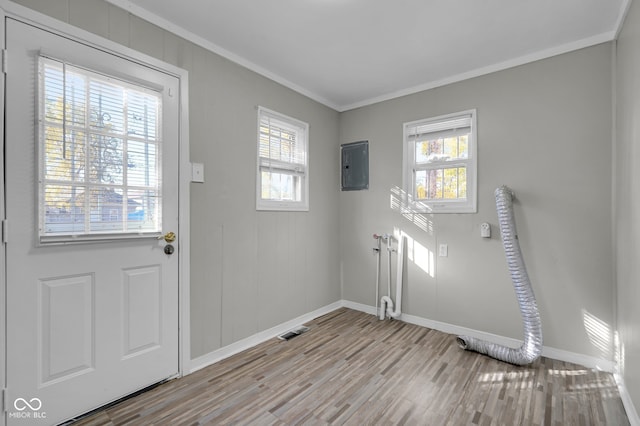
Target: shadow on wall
398, 200
417, 253
599, 333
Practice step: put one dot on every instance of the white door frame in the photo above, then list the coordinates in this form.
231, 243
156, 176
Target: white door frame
21, 13
3, 257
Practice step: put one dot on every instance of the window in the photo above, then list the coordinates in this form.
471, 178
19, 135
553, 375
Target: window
440, 163
100, 148
283, 171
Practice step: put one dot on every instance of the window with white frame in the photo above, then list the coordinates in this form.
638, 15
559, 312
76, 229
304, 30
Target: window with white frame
100, 147
283, 173
440, 163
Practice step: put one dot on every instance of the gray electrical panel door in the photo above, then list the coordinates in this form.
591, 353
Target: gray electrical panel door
355, 165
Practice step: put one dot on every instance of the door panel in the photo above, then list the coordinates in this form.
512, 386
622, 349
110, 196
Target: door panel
142, 319
86, 323
66, 327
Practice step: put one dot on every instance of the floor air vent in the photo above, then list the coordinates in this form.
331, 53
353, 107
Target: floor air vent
293, 333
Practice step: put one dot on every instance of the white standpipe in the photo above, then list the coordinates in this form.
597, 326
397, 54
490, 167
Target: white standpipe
386, 303
389, 251
376, 252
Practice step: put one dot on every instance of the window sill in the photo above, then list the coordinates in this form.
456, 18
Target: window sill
441, 208
48, 240
285, 207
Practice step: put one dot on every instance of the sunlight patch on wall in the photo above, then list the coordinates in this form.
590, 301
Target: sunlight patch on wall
619, 355
398, 202
599, 333
421, 256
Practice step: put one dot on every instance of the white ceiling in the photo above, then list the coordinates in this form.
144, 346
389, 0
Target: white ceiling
349, 53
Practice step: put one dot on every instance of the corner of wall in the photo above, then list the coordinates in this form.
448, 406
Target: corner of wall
632, 413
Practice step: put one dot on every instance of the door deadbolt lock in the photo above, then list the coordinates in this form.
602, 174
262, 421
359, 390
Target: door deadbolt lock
168, 249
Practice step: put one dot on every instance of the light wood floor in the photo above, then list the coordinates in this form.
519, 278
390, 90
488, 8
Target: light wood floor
353, 369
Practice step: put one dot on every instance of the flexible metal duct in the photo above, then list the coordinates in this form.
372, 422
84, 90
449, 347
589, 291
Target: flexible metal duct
532, 345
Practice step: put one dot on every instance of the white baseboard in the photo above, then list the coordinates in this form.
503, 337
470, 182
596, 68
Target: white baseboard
251, 341
575, 358
559, 354
359, 307
246, 343
632, 414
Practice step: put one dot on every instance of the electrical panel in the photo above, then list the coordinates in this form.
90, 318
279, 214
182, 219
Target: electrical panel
355, 166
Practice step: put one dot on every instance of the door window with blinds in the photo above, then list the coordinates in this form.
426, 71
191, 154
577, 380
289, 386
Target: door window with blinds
440, 163
283, 171
100, 146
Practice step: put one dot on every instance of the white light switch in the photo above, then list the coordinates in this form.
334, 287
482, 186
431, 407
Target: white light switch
443, 250
197, 172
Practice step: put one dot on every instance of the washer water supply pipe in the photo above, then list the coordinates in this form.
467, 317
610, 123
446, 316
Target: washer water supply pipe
389, 251
386, 303
531, 347
376, 252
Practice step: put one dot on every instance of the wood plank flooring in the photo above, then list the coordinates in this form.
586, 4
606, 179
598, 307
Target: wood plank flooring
352, 369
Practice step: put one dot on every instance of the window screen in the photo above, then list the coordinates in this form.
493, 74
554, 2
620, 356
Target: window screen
100, 149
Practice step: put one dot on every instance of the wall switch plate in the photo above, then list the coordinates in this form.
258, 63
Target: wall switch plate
197, 172
443, 250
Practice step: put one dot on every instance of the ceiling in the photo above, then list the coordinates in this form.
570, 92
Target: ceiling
350, 53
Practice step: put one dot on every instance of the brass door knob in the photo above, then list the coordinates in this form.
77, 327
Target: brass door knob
169, 237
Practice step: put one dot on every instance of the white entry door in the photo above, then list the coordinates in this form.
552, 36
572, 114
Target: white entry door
91, 183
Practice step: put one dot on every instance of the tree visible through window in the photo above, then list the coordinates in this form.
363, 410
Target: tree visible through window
448, 183
100, 153
282, 176
440, 163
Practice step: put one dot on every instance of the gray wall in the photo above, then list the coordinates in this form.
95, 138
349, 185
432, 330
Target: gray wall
627, 203
544, 129
242, 278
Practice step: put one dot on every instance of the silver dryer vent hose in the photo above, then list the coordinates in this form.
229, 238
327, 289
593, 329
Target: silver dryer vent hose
532, 345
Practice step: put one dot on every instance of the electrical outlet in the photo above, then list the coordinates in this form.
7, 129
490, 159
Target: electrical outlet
443, 250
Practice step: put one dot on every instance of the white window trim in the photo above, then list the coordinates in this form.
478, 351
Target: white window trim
280, 205
408, 165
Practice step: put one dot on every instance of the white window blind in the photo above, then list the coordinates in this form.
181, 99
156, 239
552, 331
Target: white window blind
100, 155
440, 163
282, 175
